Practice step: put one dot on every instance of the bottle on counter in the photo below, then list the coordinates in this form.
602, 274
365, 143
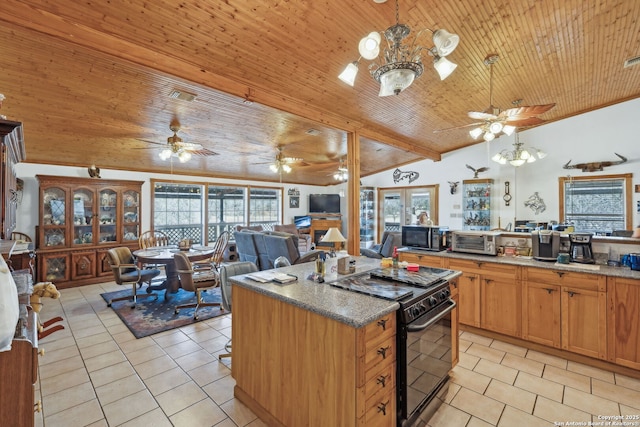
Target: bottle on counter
394, 257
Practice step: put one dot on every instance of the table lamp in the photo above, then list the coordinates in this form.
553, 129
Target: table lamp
333, 235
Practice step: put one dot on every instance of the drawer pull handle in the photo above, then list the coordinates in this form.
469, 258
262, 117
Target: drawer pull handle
383, 324
560, 273
479, 264
472, 278
549, 290
383, 351
571, 293
382, 407
382, 380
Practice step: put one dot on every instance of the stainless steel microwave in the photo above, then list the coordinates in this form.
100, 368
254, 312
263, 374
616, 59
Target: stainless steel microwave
430, 238
475, 242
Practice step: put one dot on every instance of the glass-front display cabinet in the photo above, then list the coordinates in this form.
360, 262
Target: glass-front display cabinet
476, 204
80, 219
367, 216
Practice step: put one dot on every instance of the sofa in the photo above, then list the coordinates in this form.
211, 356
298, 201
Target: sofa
305, 242
264, 247
384, 249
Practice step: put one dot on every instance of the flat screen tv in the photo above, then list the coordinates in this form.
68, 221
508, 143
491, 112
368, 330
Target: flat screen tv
324, 203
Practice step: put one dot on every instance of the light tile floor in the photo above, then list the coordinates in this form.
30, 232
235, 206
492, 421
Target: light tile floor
95, 373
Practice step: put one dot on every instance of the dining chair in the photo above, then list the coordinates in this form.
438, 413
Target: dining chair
153, 238
216, 258
195, 281
127, 272
227, 271
16, 235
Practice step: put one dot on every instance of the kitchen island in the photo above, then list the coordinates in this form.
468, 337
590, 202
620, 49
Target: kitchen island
311, 354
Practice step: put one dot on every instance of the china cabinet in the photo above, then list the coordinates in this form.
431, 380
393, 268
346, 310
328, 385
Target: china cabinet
367, 216
80, 219
13, 152
476, 204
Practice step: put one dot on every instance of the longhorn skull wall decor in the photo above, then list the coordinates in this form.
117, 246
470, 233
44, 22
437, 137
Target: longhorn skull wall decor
453, 186
595, 166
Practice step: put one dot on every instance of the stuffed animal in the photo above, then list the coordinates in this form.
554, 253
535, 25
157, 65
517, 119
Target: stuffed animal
49, 290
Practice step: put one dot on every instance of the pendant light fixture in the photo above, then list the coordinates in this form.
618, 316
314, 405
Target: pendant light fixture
401, 63
519, 155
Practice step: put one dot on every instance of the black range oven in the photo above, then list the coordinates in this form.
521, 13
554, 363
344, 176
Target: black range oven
424, 339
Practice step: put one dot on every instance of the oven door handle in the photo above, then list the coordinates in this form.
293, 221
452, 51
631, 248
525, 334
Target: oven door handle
415, 328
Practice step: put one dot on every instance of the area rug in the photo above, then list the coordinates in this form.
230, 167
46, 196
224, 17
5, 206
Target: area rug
152, 316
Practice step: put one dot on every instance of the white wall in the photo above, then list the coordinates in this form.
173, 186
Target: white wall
27, 213
590, 137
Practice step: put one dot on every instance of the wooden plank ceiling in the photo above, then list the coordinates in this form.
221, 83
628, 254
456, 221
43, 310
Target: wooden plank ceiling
91, 81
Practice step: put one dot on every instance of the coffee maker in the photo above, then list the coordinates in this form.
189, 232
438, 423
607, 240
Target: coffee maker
545, 245
581, 251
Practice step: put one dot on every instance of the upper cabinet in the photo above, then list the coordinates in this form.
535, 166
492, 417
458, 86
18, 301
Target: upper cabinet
80, 218
476, 204
13, 152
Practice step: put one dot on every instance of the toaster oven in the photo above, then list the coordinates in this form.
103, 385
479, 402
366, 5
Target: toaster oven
475, 242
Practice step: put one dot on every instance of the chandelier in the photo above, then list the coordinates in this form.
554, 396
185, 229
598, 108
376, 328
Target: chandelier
519, 156
342, 173
401, 63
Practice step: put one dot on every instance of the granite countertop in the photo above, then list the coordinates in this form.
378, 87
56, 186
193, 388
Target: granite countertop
527, 261
351, 308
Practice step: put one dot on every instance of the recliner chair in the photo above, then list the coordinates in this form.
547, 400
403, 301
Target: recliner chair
384, 249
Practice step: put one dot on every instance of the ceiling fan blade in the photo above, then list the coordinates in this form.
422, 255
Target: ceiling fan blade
477, 115
529, 121
202, 152
150, 142
526, 111
457, 127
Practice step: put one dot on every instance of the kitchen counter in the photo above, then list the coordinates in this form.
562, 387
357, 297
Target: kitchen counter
351, 308
525, 261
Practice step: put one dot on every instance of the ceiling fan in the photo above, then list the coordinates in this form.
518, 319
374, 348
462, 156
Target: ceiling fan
493, 121
342, 174
176, 147
283, 163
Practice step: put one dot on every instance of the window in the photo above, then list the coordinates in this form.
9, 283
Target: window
598, 205
182, 211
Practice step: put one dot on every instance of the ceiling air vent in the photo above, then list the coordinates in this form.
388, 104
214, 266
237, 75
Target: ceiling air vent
183, 96
313, 132
631, 62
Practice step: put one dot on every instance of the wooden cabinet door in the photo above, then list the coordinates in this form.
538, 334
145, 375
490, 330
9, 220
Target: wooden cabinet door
501, 305
541, 313
83, 265
584, 325
54, 267
624, 322
469, 298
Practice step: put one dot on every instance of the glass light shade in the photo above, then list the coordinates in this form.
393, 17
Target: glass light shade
274, 168
503, 160
184, 156
495, 127
349, 74
517, 162
445, 42
443, 66
541, 154
524, 154
508, 129
333, 235
165, 154
531, 159
286, 168
395, 81
488, 136
475, 133
369, 46
497, 157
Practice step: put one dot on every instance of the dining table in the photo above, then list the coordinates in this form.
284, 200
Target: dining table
164, 255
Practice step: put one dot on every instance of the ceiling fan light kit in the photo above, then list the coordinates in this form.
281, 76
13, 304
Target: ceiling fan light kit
401, 63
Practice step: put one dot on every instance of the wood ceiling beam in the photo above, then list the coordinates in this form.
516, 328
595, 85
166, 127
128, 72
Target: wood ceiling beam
402, 144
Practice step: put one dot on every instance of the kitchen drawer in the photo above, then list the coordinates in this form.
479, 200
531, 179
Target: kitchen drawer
379, 352
453, 287
424, 260
483, 267
380, 410
385, 379
383, 328
594, 282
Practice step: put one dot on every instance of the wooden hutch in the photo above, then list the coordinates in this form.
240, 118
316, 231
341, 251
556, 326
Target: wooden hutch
13, 152
80, 219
